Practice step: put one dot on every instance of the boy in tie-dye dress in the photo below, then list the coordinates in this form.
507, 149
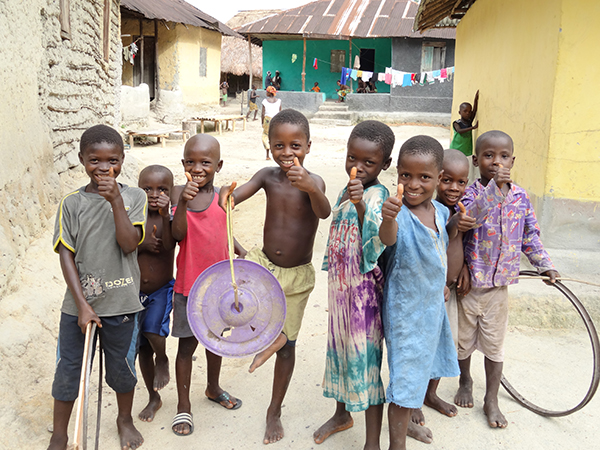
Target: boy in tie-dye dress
355, 333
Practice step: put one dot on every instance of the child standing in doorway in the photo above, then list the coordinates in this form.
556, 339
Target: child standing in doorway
270, 107
199, 225
415, 323
463, 127
355, 333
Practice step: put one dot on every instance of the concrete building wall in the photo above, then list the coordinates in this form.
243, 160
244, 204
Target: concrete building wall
52, 90
529, 60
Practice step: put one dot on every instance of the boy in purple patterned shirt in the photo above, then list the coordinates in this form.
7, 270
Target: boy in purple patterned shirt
492, 253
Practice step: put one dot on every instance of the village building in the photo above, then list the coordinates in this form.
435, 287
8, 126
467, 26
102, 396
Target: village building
312, 43
176, 49
532, 62
60, 66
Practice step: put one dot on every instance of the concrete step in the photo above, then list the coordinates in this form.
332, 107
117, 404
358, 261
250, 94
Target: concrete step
333, 107
335, 115
332, 122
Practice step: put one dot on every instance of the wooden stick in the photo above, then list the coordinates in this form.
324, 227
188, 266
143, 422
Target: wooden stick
541, 277
400, 191
462, 208
81, 414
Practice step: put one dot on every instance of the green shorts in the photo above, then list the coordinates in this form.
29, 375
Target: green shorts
297, 284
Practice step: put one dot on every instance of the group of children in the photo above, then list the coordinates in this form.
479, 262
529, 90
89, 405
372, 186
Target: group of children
393, 262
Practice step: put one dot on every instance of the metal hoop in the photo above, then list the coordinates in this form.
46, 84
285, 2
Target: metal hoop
589, 325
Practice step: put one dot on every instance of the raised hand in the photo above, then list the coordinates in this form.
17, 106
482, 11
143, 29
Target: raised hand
190, 190
108, 186
155, 244
464, 221
300, 178
163, 204
225, 193
391, 207
355, 187
502, 176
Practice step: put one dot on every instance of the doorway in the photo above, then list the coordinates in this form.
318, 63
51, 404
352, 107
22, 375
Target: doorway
149, 69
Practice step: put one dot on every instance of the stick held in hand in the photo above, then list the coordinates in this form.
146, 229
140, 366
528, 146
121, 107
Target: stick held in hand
400, 191
188, 176
353, 172
297, 162
462, 208
111, 172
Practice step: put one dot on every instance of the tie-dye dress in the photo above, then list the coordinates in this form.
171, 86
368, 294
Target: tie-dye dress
355, 332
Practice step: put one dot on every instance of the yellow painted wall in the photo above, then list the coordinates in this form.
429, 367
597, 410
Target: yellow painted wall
574, 154
508, 50
179, 60
198, 90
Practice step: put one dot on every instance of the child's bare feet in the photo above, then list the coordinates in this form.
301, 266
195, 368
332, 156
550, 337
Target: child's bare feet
417, 416
419, 432
274, 430
129, 435
495, 417
161, 373
464, 395
433, 401
334, 425
154, 404
263, 356
58, 442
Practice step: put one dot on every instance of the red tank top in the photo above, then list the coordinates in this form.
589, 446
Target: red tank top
204, 244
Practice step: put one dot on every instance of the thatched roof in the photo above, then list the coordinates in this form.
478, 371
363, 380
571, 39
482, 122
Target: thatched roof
234, 57
440, 13
244, 17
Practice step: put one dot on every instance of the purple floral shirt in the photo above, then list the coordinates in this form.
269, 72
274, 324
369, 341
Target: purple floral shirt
507, 227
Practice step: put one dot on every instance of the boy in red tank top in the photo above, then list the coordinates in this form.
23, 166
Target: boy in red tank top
199, 225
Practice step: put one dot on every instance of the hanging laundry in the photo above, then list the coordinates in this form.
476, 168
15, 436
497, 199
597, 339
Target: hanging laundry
359, 73
356, 62
381, 77
406, 80
423, 78
437, 74
417, 78
353, 74
343, 77
315, 65
129, 52
413, 78
388, 75
367, 76
294, 58
430, 79
444, 73
396, 78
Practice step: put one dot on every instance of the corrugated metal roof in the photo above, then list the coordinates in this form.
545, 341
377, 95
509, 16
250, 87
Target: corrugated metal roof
177, 11
440, 13
345, 19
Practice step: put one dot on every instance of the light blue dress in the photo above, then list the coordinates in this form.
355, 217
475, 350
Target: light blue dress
415, 324
355, 333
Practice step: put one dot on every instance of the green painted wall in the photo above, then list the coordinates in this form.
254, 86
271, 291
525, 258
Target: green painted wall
277, 55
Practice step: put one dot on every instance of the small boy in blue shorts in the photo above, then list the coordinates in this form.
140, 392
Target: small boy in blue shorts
155, 257
98, 229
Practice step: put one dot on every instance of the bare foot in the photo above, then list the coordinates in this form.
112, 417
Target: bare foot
154, 404
161, 373
495, 418
419, 432
58, 442
129, 435
332, 426
433, 401
274, 430
263, 356
417, 416
464, 395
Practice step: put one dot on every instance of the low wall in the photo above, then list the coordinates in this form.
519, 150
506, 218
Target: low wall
306, 102
393, 103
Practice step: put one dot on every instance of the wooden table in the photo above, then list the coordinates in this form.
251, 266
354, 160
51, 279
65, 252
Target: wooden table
191, 124
161, 135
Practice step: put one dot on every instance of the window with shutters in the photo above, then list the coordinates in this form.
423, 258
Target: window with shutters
433, 56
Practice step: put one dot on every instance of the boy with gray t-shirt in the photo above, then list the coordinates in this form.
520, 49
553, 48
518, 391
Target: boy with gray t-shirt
97, 232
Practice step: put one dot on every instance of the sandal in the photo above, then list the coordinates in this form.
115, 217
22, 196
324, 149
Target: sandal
183, 418
225, 397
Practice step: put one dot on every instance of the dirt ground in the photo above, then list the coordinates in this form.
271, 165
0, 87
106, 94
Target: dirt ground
543, 363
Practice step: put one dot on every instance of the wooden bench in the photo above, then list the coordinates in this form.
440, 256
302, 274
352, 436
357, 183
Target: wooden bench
161, 135
192, 124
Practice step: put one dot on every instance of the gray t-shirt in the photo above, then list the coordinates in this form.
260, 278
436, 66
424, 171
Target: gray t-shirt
109, 278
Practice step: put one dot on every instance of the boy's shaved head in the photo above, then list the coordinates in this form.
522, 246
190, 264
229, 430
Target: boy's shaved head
155, 168
456, 158
465, 105
377, 132
98, 134
293, 117
492, 135
424, 146
205, 142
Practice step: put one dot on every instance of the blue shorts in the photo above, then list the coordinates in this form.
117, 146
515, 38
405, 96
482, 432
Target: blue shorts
119, 338
157, 312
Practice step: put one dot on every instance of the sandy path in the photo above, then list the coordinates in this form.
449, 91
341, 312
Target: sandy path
32, 312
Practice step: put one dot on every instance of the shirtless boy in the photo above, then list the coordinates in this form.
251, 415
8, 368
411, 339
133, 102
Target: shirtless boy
155, 257
295, 202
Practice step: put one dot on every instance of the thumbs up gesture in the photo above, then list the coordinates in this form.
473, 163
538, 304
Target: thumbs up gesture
108, 186
464, 221
355, 187
155, 244
391, 207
